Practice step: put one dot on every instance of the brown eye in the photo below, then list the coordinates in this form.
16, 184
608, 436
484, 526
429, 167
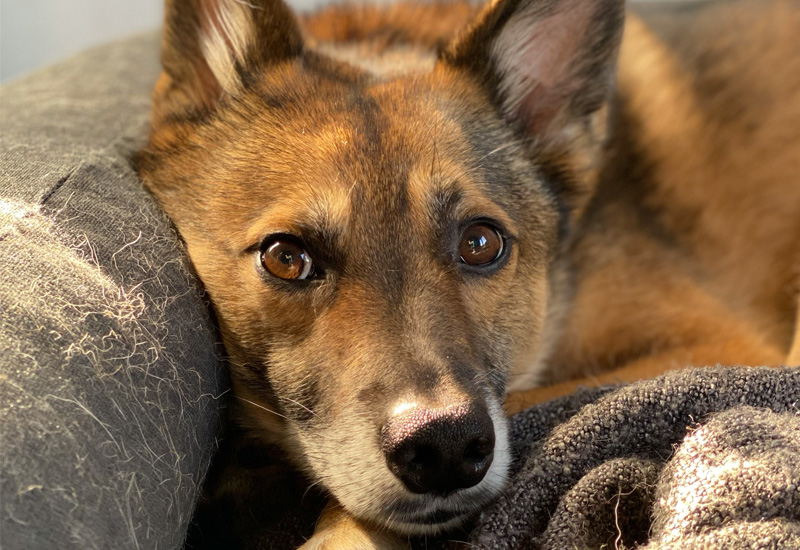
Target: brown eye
481, 244
286, 259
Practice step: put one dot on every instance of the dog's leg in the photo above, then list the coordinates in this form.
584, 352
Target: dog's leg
338, 530
725, 353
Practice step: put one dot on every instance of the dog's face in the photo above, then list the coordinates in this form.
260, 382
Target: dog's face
377, 250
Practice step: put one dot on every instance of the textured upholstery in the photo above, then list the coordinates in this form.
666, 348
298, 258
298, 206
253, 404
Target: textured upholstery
110, 375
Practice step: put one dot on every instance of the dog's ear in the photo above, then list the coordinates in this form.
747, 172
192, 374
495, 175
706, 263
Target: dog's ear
547, 64
210, 46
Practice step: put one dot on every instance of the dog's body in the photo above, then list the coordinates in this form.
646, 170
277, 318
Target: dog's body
618, 230
689, 251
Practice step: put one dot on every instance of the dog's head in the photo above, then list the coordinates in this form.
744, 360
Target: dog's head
377, 248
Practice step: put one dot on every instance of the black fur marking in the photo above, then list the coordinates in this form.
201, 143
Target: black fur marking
380, 200
465, 375
190, 117
369, 123
558, 182
443, 206
489, 146
301, 406
257, 376
325, 246
595, 60
276, 102
425, 379
628, 176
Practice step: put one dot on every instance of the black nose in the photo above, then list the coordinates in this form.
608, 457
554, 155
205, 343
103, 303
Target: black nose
439, 450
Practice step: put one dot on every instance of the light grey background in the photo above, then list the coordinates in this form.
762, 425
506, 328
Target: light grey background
35, 33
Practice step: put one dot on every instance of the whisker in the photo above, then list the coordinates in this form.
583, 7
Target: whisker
497, 150
297, 403
318, 482
260, 406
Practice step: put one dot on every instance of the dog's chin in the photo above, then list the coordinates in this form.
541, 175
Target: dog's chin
431, 515
431, 522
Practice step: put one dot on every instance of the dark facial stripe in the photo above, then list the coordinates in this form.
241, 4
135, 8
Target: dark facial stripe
443, 207
627, 175
380, 197
301, 405
558, 182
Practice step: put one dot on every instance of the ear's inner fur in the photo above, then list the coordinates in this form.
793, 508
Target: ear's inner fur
543, 62
211, 46
227, 33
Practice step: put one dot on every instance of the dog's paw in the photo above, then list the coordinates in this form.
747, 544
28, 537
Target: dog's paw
338, 530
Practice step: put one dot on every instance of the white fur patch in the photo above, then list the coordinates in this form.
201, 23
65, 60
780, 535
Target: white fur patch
227, 31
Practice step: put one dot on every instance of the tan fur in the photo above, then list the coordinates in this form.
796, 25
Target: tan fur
338, 529
651, 225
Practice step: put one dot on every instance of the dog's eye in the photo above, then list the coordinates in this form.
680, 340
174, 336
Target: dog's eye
286, 258
481, 244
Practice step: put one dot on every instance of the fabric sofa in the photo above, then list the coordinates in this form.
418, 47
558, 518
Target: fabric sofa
110, 372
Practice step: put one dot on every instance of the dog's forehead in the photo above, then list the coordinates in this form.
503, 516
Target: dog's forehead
374, 160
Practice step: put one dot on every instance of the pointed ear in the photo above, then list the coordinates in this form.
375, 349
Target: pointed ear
209, 46
548, 64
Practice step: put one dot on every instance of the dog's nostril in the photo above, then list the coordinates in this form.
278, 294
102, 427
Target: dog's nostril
479, 449
439, 451
422, 458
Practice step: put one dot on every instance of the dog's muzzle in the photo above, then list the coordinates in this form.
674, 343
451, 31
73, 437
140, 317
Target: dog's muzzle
439, 451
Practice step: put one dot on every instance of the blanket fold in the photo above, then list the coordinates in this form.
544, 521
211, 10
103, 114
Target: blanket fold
704, 458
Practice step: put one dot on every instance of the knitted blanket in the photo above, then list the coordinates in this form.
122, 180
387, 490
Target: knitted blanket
705, 458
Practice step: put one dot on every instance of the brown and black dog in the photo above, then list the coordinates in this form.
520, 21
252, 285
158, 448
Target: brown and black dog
400, 212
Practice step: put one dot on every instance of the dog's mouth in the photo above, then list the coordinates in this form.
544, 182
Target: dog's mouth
430, 514
434, 519
434, 470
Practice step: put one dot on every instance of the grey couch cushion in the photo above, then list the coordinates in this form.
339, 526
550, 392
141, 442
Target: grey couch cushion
110, 375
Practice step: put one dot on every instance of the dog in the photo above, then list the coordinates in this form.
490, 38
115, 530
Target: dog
401, 213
